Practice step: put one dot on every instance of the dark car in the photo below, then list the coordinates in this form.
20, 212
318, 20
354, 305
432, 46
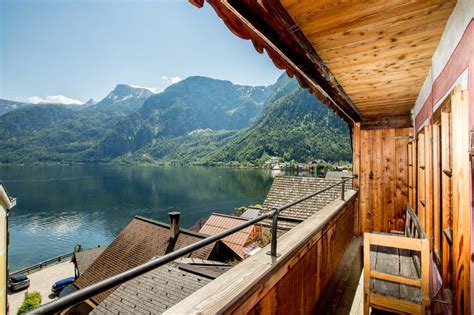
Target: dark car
58, 286
18, 282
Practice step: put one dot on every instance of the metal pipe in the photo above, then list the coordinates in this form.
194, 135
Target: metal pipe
88, 292
343, 190
273, 248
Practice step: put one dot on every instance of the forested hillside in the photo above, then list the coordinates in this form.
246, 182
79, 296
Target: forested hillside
196, 121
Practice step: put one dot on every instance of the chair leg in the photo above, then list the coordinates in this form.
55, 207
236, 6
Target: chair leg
366, 305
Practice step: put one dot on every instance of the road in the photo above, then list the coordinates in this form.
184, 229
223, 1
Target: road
42, 281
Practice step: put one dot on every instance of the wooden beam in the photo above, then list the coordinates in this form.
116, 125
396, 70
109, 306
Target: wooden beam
394, 278
385, 122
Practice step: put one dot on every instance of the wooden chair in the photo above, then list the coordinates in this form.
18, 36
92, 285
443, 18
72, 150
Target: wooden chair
394, 277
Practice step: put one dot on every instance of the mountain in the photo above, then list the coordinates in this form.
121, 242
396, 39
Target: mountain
198, 120
6, 106
191, 104
52, 133
123, 97
90, 102
294, 125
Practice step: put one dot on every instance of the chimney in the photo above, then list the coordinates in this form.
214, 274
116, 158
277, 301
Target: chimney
174, 223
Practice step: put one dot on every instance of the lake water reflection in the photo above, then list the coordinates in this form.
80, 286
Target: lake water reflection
60, 206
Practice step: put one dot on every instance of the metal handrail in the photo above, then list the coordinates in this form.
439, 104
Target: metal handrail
101, 286
43, 264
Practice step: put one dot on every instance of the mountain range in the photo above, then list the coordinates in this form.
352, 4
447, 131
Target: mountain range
197, 120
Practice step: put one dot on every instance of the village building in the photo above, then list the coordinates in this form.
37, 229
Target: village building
6, 204
338, 175
286, 189
251, 213
83, 258
243, 242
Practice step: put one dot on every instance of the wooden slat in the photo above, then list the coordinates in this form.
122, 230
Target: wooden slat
428, 197
394, 278
461, 200
395, 241
437, 213
386, 262
408, 269
396, 304
446, 184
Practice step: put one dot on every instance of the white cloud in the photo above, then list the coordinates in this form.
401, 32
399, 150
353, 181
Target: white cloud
155, 89
171, 80
57, 99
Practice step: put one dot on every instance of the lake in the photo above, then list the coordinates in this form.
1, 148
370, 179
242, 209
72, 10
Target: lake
61, 206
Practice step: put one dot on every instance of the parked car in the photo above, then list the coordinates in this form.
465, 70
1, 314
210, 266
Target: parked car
18, 282
58, 286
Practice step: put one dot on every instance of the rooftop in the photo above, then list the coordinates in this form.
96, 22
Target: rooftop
86, 257
139, 242
238, 241
286, 189
161, 288
337, 175
251, 213
153, 292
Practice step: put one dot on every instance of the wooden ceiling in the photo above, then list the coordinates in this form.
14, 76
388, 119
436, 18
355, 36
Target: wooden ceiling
379, 51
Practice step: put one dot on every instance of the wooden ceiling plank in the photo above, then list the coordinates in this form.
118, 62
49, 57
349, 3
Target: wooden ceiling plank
341, 13
425, 34
371, 73
397, 27
399, 53
394, 61
388, 17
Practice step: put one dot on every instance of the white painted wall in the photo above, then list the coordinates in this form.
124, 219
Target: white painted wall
457, 23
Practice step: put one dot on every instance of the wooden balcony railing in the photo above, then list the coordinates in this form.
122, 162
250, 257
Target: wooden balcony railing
291, 283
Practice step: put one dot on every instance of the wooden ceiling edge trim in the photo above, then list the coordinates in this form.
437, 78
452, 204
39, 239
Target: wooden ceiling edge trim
386, 122
330, 93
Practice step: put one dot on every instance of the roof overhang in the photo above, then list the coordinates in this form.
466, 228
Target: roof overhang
5, 199
367, 62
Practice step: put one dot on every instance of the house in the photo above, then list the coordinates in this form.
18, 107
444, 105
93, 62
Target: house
83, 258
140, 241
251, 213
242, 242
158, 290
6, 204
286, 189
198, 224
338, 175
400, 73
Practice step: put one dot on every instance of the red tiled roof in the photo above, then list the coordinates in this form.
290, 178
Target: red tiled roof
139, 242
219, 222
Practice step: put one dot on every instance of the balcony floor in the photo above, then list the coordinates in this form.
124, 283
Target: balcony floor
344, 294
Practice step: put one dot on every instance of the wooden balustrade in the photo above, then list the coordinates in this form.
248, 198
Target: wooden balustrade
293, 282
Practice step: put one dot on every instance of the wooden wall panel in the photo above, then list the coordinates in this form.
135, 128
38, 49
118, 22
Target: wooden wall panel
383, 179
420, 204
428, 224
446, 184
411, 183
461, 173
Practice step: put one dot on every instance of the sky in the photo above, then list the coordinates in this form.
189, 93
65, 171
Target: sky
71, 51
